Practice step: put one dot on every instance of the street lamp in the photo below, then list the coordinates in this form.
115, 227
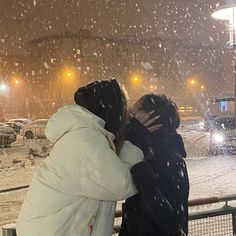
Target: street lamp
68, 74
136, 79
227, 12
16, 81
4, 88
192, 81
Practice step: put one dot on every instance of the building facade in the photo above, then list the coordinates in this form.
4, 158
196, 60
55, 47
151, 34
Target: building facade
53, 67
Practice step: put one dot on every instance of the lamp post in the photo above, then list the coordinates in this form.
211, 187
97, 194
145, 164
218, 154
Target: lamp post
227, 12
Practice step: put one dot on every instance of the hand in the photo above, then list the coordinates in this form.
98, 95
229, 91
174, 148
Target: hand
145, 119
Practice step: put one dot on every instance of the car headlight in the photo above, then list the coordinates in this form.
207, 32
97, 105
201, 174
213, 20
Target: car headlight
201, 124
218, 138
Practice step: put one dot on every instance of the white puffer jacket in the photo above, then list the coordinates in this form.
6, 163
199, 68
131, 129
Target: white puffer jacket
74, 192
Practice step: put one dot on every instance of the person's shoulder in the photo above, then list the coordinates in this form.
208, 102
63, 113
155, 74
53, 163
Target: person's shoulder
92, 135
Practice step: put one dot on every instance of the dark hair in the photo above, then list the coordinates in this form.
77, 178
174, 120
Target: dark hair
162, 106
106, 100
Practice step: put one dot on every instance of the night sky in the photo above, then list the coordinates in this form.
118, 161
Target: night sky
188, 20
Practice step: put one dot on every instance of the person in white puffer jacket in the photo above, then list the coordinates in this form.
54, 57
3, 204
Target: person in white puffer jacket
75, 190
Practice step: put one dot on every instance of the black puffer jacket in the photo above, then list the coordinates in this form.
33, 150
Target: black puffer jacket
161, 206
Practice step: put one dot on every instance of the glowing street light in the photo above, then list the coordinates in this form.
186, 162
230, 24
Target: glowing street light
193, 81
3, 87
16, 81
227, 12
68, 74
136, 79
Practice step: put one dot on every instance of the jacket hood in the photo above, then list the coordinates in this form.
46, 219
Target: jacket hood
70, 118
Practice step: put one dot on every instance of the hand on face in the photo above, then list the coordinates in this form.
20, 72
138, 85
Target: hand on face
145, 119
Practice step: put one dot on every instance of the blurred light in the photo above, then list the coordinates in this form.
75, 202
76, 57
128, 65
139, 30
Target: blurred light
227, 12
189, 109
69, 74
16, 81
202, 87
136, 79
218, 138
193, 80
224, 12
3, 87
201, 124
153, 87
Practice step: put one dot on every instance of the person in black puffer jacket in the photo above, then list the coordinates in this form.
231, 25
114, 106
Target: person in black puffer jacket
161, 206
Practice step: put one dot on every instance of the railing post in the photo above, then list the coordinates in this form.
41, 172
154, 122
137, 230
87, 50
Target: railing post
234, 223
9, 230
2, 141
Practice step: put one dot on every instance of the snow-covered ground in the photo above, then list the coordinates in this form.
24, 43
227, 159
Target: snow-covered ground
209, 175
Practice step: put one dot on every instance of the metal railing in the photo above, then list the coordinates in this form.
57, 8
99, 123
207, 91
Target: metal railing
7, 190
220, 221
217, 222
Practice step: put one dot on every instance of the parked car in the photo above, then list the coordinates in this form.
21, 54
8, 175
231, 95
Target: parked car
35, 129
7, 135
21, 121
16, 126
208, 123
223, 135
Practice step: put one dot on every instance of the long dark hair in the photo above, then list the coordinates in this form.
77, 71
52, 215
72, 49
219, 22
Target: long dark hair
106, 100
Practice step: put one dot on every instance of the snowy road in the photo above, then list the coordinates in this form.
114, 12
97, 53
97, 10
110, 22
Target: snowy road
209, 175
212, 176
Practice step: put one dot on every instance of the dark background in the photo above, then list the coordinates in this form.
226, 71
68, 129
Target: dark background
188, 20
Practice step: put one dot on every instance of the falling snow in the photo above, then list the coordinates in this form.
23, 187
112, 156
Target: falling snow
173, 47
